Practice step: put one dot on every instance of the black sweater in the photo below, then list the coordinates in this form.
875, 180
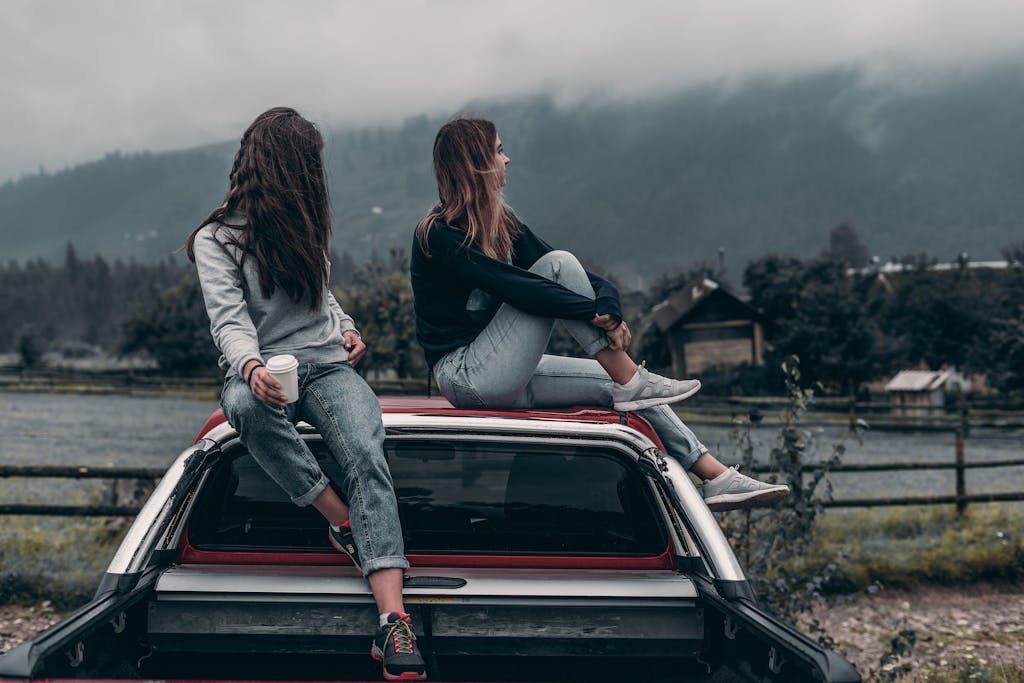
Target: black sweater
443, 282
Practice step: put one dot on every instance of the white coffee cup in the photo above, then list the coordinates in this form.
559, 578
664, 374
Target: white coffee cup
284, 368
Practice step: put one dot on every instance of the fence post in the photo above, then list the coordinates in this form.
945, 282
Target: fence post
961, 480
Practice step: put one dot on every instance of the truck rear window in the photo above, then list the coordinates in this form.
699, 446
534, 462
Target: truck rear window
459, 497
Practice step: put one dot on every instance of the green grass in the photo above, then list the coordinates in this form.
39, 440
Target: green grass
57, 559
903, 547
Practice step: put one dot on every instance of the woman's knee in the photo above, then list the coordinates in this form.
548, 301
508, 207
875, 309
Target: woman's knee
565, 269
241, 408
555, 263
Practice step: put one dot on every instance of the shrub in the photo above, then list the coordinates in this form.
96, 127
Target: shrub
31, 347
772, 542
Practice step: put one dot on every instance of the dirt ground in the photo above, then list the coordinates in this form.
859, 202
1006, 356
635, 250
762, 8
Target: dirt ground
21, 622
975, 629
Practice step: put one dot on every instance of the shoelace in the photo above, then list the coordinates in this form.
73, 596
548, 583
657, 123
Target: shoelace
402, 636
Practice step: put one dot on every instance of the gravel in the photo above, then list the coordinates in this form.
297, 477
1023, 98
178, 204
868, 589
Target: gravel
21, 622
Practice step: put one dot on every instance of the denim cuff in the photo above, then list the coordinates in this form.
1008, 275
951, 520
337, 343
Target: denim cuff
690, 459
312, 494
385, 562
599, 344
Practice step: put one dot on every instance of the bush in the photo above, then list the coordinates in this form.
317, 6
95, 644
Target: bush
54, 559
173, 328
379, 299
31, 347
771, 543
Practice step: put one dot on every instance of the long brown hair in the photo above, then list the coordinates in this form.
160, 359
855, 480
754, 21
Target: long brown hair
278, 185
469, 188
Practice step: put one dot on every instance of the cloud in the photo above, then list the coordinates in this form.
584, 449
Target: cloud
83, 78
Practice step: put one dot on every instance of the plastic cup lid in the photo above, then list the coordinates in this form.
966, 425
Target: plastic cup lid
283, 363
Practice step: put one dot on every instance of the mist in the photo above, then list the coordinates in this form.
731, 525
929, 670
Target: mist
86, 78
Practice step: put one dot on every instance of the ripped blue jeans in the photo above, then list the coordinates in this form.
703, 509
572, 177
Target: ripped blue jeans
335, 400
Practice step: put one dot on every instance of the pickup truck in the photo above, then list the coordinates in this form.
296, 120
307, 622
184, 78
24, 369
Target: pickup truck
544, 545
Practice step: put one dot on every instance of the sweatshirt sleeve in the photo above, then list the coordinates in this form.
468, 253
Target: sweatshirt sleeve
221, 281
530, 247
508, 283
607, 300
347, 324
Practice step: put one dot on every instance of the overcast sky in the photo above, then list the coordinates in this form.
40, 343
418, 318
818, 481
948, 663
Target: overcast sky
79, 78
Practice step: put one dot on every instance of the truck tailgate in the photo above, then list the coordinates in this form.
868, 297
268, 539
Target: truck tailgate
455, 611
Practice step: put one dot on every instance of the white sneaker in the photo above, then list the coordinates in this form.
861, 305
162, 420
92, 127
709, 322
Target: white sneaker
652, 390
733, 491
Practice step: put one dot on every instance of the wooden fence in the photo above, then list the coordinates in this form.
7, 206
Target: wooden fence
959, 497
146, 474
934, 418
882, 416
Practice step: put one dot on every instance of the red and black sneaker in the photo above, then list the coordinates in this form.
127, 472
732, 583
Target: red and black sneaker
395, 645
344, 542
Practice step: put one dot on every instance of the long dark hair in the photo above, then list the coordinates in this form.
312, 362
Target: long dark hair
278, 185
469, 188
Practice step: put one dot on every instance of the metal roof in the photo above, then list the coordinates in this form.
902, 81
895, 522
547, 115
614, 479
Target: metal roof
681, 302
918, 380
890, 267
439, 406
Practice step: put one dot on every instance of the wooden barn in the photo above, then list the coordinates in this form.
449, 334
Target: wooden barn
707, 327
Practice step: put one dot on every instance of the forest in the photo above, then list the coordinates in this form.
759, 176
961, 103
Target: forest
763, 167
846, 320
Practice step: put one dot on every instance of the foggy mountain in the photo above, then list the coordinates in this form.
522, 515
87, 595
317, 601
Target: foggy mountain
638, 187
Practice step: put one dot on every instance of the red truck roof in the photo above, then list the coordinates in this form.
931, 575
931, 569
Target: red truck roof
438, 405
421, 405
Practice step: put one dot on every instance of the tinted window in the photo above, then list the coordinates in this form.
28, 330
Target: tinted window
456, 497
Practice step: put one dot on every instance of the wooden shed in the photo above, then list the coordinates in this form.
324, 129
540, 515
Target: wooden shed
916, 392
707, 327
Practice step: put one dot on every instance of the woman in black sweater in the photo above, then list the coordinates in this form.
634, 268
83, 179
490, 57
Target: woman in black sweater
488, 292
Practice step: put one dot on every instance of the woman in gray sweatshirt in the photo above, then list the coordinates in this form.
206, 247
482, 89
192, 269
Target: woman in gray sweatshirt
262, 263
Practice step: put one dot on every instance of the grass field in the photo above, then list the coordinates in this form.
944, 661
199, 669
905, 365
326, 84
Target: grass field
903, 547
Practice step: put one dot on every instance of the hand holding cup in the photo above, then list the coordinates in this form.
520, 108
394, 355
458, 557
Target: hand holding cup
283, 371
265, 388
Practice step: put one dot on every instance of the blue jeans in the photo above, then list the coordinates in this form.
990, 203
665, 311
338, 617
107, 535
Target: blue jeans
335, 400
506, 367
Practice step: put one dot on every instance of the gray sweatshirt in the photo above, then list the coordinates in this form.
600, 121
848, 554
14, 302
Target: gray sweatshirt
245, 325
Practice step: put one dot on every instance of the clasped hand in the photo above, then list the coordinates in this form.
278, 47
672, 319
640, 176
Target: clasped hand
618, 332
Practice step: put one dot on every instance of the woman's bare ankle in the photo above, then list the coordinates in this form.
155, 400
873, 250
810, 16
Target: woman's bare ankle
708, 467
619, 366
330, 506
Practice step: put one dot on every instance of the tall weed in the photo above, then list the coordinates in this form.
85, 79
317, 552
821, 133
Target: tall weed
771, 543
